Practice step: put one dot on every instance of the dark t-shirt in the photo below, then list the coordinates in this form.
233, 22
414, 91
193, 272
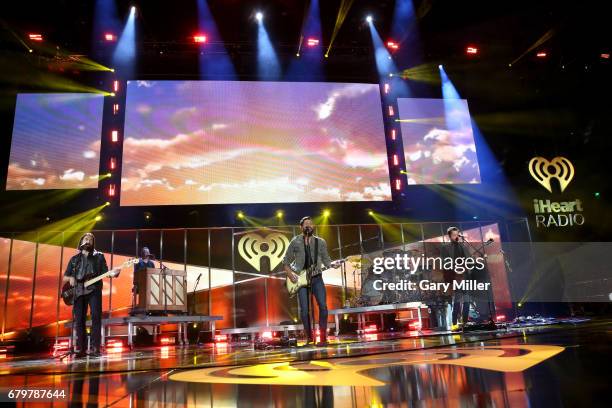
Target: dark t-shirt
308, 258
83, 268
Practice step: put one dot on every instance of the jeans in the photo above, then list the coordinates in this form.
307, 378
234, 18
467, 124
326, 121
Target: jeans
461, 304
318, 290
79, 311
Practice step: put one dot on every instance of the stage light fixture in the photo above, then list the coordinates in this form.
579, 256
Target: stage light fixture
115, 136
605, 55
393, 134
597, 194
312, 42
370, 213
391, 111
542, 54
279, 214
107, 203
199, 38
110, 37
440, 66
398, 184
35, 37
259, 16
392, 45
240, 214
326, 213
369, 19
115, 108
111, 190
386, 88
395, 160
98, 218
116, 86
112, 164
471, 50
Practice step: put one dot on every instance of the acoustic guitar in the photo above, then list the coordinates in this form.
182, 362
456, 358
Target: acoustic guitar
71, 293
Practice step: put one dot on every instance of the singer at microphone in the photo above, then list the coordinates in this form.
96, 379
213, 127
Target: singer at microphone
145, 261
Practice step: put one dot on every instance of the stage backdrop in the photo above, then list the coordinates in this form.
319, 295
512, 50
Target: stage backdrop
56, 141
221, 142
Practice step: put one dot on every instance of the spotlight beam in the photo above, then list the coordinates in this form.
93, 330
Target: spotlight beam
267, 61
125, 53
547, 36
345, 6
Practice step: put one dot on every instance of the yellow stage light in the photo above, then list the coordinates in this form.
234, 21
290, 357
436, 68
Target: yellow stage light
240, 215
326, 213
279, 214
98, 218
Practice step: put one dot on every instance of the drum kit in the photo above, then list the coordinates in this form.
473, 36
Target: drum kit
369, 296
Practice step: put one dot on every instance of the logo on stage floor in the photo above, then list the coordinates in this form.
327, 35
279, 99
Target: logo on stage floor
368, 370
543, 171
252, 247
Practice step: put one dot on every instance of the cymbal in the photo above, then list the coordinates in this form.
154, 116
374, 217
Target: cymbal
359, 260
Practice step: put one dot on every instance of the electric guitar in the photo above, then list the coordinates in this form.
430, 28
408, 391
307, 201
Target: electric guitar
304, 278
71, 293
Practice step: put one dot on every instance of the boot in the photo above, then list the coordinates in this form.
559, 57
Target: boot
323, 342
309, 340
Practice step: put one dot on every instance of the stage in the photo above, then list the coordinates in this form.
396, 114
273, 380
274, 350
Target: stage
526, 367
304, 204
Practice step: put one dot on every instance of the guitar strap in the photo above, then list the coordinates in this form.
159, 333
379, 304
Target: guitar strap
313, 264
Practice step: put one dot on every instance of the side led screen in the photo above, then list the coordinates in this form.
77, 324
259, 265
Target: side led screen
56, 141
438, 141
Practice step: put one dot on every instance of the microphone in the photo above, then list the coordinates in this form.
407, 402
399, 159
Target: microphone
196, 283
490, 240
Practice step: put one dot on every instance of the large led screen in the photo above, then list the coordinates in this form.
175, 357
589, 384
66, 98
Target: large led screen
56, 141
438, 141
220, 142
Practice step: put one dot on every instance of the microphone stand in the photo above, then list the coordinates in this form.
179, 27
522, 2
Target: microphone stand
480, 252
194, 293
163, 278
71, 351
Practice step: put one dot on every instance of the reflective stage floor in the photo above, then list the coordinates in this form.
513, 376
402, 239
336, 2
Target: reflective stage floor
547, 366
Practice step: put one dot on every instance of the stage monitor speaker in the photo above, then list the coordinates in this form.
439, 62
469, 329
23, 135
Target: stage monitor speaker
161, 290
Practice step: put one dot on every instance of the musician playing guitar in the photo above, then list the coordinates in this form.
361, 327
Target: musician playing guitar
309, 252
86, 264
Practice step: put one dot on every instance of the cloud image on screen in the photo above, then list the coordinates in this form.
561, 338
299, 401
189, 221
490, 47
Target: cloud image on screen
56, 141
438, 141
221, 142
